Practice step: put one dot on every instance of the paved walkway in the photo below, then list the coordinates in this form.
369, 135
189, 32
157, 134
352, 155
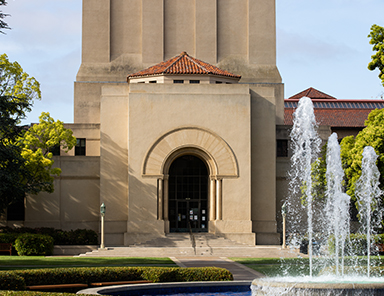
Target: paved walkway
239, 271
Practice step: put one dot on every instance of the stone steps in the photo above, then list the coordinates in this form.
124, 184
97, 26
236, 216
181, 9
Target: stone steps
174, 245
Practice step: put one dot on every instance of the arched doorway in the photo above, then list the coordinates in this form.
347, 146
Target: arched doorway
188, 195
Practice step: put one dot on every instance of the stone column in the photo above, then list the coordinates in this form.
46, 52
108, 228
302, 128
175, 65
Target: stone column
165, 203
219, 209
212, 199
160, 199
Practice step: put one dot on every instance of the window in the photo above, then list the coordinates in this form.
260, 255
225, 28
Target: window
55, 150
16, 210
282, 148
80, 147
153, 81
219, 82
178, 81
194, 81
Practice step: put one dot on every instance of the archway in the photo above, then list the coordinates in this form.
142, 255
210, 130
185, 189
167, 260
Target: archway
188, 194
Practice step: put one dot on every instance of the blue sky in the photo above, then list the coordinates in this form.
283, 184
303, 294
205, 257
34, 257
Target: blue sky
321, 44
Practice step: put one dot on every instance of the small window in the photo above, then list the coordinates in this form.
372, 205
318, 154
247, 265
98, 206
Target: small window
178, 81
219, 82
55, 150
16, 210
194, 81
80, 147
153, 81
282, 148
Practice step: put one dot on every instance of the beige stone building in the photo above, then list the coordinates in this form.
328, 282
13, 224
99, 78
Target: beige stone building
187, 141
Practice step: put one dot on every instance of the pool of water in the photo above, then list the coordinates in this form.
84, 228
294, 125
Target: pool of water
238, 288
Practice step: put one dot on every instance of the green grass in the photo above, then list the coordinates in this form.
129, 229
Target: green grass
293, 266
28, 262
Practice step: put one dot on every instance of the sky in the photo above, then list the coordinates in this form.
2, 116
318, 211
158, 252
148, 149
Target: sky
321, 44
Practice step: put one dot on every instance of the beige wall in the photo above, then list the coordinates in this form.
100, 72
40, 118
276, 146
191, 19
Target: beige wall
122, 37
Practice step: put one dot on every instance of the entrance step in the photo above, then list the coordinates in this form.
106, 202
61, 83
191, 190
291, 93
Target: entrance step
197, 244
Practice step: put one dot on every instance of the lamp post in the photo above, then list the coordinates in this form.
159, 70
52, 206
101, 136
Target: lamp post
102, 212
284, 213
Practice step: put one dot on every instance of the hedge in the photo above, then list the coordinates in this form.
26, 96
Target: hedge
32, 293
60, 237
18, 279
356, 243
29, 244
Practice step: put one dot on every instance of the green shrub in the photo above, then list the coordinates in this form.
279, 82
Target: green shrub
87, 275
32, 293
356, 243
61, 237
11, 281
176, 274
34, 244
8, 238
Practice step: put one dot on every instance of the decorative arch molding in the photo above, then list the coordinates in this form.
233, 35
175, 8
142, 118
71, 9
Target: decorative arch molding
214, 150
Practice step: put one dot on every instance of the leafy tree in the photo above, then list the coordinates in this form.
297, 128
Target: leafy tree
13, 171
37, 143
352, 149
377, 40
26, 164
3, 25
16, 83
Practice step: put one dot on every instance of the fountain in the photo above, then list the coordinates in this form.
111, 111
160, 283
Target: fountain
331, 220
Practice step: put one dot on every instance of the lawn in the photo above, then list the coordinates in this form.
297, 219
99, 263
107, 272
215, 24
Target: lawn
28, 262
295, 266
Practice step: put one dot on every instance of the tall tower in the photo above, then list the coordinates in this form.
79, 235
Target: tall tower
124, 36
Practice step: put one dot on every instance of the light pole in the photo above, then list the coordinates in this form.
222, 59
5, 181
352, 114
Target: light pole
102, 212
284, 213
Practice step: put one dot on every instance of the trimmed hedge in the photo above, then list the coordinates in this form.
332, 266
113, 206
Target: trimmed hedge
18, 279
32, 293
60, 237
356, 244
29, 244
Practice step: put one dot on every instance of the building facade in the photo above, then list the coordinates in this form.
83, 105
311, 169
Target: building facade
174, 151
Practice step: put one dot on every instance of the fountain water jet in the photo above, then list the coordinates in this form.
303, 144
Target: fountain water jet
368, 192
337, 206
305, 146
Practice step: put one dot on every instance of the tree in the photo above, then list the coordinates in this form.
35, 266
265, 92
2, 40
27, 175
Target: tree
12, 165
352, 149
37, 143
377, 40
3, 25
16, 83
26, 164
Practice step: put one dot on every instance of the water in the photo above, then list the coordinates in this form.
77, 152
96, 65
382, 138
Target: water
305, 144
329, 218
337, 205
368, 197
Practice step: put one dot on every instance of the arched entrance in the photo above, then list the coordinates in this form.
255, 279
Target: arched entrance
188, 195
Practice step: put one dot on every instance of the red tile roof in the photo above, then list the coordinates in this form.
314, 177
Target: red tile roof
313, 94
183, 64
334, 117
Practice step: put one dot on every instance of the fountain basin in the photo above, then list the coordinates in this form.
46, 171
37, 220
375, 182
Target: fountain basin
316, 288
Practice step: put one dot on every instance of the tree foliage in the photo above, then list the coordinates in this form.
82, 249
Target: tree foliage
352, 149
377, 40
26, 163
37, 143
16, 83
3, 25
13, 171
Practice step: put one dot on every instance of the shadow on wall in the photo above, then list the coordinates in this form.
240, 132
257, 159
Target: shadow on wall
117, 181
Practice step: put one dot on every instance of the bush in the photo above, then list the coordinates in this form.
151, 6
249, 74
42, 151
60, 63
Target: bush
8, 238
87, 275
61, 237
11, 281
356, 244
34, 244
